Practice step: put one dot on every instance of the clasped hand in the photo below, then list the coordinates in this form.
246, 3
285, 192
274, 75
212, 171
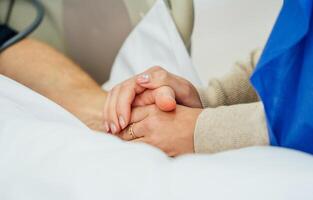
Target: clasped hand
148, 102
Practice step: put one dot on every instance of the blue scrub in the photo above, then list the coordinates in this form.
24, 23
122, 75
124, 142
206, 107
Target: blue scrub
284, 77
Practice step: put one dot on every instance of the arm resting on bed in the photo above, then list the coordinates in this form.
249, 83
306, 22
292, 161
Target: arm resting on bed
48, 72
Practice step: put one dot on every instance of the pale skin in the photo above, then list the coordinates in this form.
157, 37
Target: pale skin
154, 86
172, 132
48, 72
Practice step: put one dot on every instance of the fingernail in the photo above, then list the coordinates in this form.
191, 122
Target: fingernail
122, 121
113, 128
106, 127
143, 78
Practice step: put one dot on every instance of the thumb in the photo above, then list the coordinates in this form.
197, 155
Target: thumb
163, 97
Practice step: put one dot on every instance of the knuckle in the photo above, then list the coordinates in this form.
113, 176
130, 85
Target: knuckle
116, 88
156, 68
162, 74
128, 86
125, 84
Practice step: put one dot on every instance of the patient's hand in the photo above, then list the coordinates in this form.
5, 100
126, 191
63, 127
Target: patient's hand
154, 86
172, 132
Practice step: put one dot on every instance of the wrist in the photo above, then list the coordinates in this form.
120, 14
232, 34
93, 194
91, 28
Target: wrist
187, 94
194, 115
88, 107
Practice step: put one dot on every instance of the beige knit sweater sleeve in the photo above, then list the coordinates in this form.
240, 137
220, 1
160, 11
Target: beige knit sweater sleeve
233, 117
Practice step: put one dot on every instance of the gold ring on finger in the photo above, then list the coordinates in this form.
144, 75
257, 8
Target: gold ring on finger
131, 131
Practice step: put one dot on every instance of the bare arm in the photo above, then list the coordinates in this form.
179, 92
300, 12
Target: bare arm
44, 70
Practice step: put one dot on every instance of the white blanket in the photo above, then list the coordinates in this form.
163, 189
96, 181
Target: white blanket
46, 153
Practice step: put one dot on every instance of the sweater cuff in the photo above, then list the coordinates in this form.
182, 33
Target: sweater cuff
203, 97
230, 127
211, 96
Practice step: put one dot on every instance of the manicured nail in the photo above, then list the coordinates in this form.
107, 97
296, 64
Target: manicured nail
113, 128
143, 78
122, 121
106, 127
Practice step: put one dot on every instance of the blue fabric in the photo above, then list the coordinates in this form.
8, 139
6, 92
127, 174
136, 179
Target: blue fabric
284, 77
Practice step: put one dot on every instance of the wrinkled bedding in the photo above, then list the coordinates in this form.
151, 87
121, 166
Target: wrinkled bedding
47, 153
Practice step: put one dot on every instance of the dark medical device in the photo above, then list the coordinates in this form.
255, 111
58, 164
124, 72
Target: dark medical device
9, 36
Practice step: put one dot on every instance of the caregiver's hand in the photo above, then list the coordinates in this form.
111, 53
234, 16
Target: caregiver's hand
185, 93
155, 85
172, 132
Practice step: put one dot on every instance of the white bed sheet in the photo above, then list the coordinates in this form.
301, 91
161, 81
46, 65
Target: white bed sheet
46, 153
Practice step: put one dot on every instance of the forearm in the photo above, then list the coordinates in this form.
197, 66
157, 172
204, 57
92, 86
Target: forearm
233, 88
51, 74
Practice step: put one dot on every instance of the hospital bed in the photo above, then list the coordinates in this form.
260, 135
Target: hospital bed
47, 153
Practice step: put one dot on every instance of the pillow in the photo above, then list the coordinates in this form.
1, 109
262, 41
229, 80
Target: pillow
154, 41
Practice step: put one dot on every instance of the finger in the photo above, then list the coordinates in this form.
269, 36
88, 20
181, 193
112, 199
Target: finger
185, 92
144, 99
106, 113
118, 108
138, 117
125, 99
140, 113
165, 98
133, 131
154, 77
112, 115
